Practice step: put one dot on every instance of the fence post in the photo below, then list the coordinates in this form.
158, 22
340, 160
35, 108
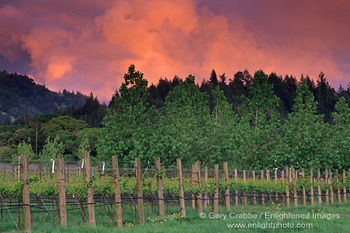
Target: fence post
244, 193
254, 192
295, 187
349, 177
160, 188
216, 195
139, 191
327, 191
344, 189
312, 187
268, 181
236, 191
25, 193
304, 190
206, 182
117, 198
197, 175
181, 189
276, 193
287, 187
338, 189
90, 193
193, 184
331, 182
319, 191
227, 191
262, 193
62, 191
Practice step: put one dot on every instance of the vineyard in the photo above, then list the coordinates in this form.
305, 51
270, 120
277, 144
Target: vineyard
31, 190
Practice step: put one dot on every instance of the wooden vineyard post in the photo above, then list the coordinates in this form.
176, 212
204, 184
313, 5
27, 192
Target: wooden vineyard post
338, 189
287, 188
244, 193
197, 176
19, 170
139, 191
236, 191
254, 192
276, 180
319, 191
268, 180
312, 187
193, 184
349, 177
160, 188
227, 191
62, 191
331, 185
262, 193
304, 190
206, 182
327, 191
117, 198
181, 188
90, 194
295, 193
344, 182
25, 193
216, 195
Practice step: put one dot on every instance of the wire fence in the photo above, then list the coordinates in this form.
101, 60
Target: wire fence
226, 191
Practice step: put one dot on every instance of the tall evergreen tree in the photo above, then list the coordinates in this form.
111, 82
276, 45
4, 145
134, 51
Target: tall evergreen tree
126, 129
302, 133
259, 121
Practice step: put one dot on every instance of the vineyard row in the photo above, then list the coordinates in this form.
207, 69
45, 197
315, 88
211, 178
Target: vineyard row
85, 188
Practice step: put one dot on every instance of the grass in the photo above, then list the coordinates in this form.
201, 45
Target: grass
320, 218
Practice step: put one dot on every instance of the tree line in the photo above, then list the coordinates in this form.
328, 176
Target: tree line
250, 121
275, 122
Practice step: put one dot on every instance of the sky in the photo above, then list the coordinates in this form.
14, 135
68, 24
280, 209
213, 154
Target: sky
88, 45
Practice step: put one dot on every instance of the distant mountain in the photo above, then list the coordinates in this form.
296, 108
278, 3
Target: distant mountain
20, 95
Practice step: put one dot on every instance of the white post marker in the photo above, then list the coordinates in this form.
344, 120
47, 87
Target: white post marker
53, 166
82, 163
103, 167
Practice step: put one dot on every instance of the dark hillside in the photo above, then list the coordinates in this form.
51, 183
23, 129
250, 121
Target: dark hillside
20, 95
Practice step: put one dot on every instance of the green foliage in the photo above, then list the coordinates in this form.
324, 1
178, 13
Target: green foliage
126, 129
303, 136
259, 124
25, 149
52, 149
66, 123
84, 146
196, 123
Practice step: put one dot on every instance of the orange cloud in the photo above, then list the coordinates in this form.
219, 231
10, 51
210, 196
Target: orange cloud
87, 45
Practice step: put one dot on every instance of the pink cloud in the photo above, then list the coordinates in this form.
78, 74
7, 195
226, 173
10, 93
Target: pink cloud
87, 45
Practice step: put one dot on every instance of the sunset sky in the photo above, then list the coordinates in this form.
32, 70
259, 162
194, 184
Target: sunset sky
87, 45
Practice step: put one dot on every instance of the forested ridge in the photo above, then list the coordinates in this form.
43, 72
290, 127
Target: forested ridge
20, 97
251, 121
